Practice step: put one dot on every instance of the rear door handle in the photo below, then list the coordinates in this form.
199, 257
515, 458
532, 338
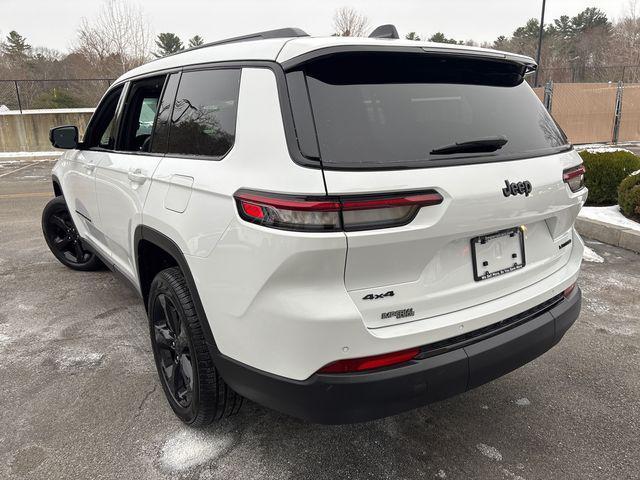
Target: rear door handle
137, 176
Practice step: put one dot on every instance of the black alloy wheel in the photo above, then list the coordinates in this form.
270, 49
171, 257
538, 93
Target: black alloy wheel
63, 239
194, 389
174, 352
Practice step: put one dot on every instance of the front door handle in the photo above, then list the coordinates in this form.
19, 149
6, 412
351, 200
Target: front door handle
90, 167
137, 176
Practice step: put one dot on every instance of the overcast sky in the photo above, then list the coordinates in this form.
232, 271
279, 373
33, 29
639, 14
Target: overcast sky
53, 23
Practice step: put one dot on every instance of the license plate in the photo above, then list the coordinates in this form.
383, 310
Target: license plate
497, 253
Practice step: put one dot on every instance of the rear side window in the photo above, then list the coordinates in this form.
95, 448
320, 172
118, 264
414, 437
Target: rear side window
163, 117
398, 110
204, 114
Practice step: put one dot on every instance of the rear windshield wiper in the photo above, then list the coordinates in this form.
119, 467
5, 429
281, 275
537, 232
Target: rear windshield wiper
489, 144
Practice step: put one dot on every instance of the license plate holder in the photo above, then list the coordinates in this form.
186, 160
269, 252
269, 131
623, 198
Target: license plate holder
497, 253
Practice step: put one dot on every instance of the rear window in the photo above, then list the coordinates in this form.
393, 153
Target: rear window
398, 109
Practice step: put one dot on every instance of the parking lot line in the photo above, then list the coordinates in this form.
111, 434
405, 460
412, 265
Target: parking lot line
26, 195
16, 170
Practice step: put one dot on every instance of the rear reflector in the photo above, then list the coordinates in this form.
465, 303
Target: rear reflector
332, 213
370, 363
567, 291
574, 177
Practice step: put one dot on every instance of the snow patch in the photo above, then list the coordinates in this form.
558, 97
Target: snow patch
523, 402
4, 340
611, 215
489, 452
30, 154
590, 256
85, 360
187, 449
441, 474
600, 148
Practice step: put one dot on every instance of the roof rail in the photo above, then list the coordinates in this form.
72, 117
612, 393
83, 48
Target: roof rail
385, 31
278, 33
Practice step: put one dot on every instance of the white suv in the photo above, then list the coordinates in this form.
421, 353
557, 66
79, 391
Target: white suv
337, 228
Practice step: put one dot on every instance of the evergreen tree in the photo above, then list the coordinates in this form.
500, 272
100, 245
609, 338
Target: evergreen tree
440, 37
16, 45
412, 36
196, 41
167, 44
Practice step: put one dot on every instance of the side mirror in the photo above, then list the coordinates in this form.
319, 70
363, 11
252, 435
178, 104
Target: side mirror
64, 137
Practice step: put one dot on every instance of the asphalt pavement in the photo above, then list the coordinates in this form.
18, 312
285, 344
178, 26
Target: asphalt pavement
80, 398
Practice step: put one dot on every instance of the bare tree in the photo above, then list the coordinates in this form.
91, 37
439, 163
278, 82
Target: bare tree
626, 37
120, 33
348, 22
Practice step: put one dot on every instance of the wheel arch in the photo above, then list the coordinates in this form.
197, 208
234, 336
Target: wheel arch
154, 251
57, 187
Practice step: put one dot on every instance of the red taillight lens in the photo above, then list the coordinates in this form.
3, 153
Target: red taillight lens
567, 291
574, 177
370, 363
332, 213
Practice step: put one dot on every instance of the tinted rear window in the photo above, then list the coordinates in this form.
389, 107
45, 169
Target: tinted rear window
204, 114
393, 109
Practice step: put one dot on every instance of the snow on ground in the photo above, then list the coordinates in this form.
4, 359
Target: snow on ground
30, 154
489, 452
189, 448
610, 215
590, 256
600, 148
47, 111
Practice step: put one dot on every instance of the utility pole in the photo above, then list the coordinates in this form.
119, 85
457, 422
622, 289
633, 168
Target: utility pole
535, 80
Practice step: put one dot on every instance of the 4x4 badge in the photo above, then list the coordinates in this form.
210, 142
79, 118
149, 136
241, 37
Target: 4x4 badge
517, 188
375, 296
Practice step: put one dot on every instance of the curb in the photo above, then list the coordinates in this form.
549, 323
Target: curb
610, 234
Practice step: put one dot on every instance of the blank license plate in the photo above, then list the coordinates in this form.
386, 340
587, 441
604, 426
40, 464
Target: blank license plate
497, 253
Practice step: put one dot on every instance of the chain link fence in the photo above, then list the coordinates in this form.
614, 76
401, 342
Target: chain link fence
594, 112
51, 94
613, 74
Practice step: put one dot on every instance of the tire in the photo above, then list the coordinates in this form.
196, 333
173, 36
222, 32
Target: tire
63, 239
194, 389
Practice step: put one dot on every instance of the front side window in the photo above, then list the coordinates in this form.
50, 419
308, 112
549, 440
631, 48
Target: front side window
204, 114
102, 130
406, 109
140, 114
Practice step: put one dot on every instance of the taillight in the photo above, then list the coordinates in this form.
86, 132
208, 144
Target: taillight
574, 177
322, 214
370, 363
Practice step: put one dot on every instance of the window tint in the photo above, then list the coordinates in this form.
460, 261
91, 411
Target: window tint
395, 109
102, 131
204, 113
161, 131
140, 114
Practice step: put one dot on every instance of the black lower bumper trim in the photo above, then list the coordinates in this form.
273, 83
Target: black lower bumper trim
357, 397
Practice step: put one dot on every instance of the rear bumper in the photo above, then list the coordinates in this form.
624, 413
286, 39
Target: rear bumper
348, 398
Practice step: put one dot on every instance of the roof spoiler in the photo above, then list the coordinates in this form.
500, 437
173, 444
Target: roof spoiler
385, 31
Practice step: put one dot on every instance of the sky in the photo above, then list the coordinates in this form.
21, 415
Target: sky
53, 23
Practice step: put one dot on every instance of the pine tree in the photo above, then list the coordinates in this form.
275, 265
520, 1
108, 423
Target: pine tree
412, 36
196, 41
16, 45
440, 37
167, 44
